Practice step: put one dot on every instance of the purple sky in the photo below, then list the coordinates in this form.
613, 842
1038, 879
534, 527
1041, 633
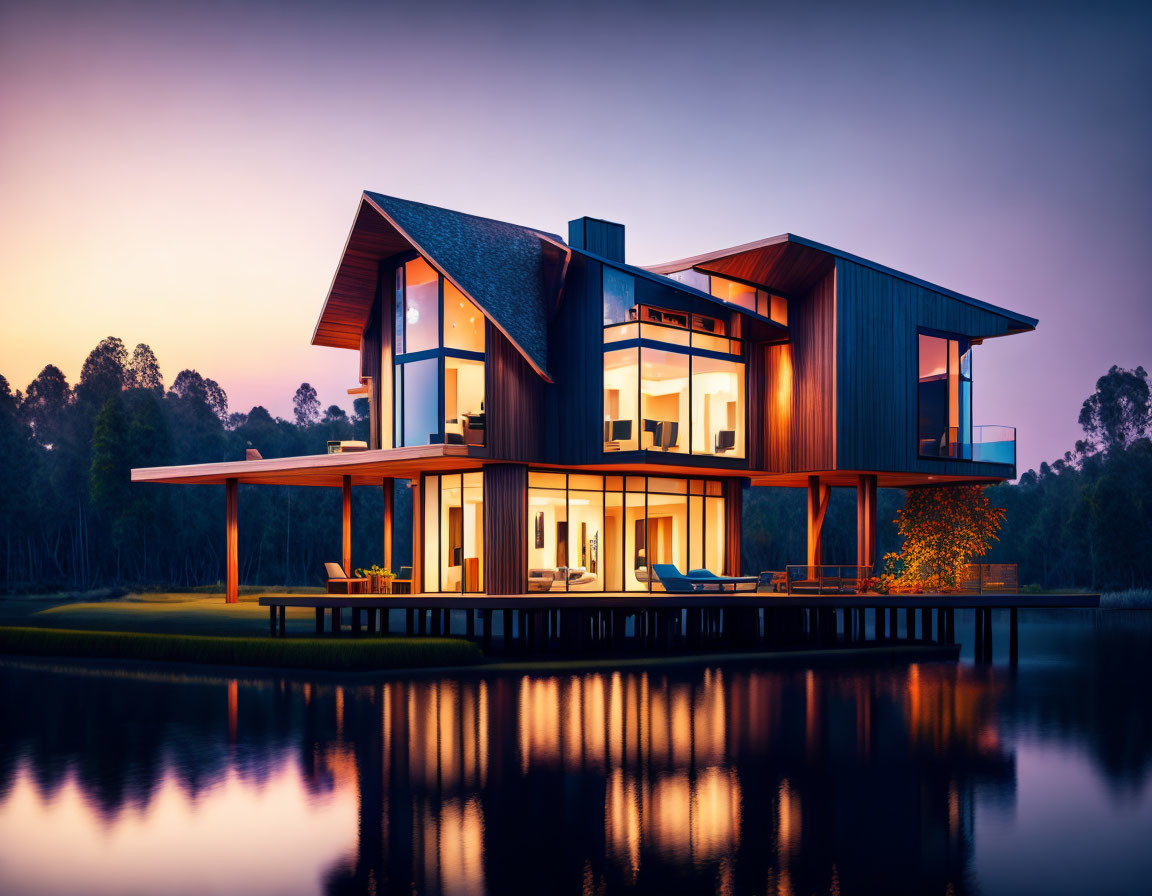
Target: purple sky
186, 175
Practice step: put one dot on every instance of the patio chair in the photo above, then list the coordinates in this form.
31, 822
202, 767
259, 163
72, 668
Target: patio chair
672, 580
402, 584
340, 583
709, 577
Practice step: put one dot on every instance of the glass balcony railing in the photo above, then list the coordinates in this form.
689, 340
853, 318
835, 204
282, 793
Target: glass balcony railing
990, 445
994, 444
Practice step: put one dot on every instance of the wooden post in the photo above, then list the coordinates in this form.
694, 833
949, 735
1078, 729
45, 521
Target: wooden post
817, 506
346, 529
231, 541
1013, 637
389, 509
866, 521
417, 534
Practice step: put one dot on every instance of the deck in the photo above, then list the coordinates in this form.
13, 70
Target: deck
589, 623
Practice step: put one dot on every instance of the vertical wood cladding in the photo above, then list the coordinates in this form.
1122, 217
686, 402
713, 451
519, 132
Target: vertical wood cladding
733, 525
371, 363
878, 317
799, 428
512, 402
572, 405
505, 528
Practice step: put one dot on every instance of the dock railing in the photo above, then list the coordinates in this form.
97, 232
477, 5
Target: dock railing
825, 578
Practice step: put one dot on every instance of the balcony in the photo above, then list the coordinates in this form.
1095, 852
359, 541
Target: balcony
990, 444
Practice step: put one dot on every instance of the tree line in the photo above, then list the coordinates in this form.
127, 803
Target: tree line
71, 519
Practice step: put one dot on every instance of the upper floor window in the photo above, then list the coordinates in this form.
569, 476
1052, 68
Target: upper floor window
438, 379
619, 296
944, 397
758, 301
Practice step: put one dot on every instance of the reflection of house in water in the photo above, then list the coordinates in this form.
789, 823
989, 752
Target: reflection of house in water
785, 781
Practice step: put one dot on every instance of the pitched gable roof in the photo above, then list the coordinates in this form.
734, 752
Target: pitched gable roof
512, 273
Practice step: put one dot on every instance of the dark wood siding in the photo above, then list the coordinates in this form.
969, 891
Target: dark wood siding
505, 528
799, 426
878, 317
513, 393
572, 402
733, 526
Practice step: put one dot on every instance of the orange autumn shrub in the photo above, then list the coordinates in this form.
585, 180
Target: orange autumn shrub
944, 529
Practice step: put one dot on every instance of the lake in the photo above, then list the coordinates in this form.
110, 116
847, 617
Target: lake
732, 778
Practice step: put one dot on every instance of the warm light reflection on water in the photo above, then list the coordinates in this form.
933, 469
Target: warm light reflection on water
710, 780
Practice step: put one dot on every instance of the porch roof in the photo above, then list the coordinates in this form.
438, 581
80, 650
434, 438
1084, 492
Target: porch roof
365, 467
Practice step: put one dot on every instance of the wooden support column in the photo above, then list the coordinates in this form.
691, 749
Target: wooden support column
389, 510
866, 521
417, 537
733, 491
346, 526
818, 495
505, 529
231, 541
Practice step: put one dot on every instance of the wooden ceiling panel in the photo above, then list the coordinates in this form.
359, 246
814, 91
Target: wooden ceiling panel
349, 301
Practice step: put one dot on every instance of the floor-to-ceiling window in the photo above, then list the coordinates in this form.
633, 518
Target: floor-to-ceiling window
588, 532
453, 537
673, 381
438, 377
944, 397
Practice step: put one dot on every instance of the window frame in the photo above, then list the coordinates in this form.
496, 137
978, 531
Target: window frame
704, 494
963, 347
440, 353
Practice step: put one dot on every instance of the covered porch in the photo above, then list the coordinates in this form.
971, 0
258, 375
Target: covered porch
379, 468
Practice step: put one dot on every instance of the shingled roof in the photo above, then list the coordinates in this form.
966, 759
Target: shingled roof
513, 274
509, 271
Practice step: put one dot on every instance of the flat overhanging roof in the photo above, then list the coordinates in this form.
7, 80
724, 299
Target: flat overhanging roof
365, 467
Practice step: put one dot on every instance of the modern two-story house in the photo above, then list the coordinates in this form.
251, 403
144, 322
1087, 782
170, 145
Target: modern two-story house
567, 420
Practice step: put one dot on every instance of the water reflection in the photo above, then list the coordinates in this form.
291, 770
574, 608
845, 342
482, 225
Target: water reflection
709, 780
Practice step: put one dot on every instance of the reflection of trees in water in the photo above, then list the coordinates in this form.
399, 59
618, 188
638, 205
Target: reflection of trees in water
1097, 698
695, 780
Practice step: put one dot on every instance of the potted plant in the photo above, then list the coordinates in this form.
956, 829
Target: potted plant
379, 579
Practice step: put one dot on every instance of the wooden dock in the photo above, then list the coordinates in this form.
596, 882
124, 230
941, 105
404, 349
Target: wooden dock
588, 623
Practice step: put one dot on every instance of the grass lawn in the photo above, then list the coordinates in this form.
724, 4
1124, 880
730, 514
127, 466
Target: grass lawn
297, 653
167, 613
201, 628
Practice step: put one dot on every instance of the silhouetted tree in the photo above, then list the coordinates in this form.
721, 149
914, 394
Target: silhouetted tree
1120, 410
306, 405
105, 371
144, 370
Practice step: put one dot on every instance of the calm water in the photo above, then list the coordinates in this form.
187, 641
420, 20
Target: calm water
928, 779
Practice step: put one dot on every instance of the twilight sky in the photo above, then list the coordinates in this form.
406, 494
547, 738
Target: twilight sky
185, 174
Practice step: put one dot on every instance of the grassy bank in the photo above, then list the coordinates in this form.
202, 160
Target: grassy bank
1133, 599
331, 654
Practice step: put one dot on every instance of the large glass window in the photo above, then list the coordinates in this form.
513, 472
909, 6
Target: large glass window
604, 533
463, 401
454, 533
673, 401
621, 385
419, 382
944, 397
619, 296
717, 407
429, 375
421, 307
663, 400
463, 322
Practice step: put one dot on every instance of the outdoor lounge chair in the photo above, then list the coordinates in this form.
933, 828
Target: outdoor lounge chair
340, 583
732, 583
672, 580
